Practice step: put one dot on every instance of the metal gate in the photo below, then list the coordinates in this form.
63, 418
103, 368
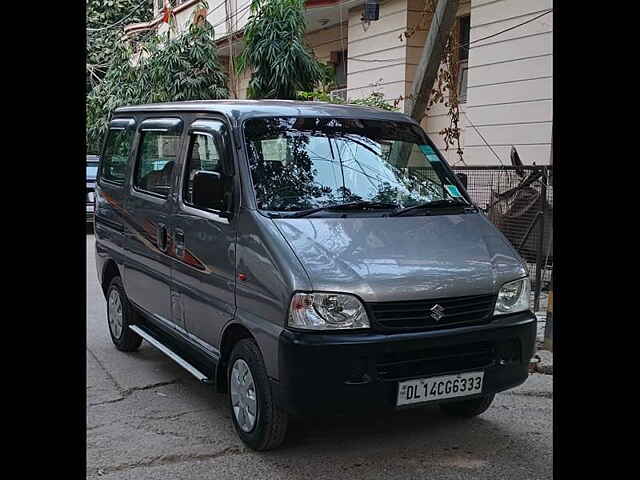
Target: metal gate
519, 201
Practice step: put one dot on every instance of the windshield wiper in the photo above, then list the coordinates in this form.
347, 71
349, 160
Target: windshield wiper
362, 205
449, 203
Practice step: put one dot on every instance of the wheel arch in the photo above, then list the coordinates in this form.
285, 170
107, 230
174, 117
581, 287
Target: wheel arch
231, 335
109, 271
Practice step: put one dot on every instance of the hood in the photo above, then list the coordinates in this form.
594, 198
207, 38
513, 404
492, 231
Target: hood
403, 258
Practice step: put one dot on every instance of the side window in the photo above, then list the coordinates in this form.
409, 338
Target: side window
114, 161
463, 57
203, 155
157, 156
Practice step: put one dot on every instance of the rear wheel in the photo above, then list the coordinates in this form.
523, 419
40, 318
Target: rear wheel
120, 315
260, 423
467, 408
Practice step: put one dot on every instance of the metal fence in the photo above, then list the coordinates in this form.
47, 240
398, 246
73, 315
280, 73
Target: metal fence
519, 201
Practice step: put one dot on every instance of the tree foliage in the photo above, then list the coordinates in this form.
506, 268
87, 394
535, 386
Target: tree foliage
375, 99
275, 51
184, 68
102, 42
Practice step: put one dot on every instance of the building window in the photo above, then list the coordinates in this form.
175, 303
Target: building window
341, 70
339, 61
463, 56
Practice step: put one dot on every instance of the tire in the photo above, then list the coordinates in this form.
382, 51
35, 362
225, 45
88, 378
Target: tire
467, 408
269, 426
125, 339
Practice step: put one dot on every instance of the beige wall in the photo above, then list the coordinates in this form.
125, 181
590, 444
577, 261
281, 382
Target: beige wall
376, 53
327, 40
509, 84
243, 83
510, 94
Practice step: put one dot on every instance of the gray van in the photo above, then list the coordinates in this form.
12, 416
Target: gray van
306, 258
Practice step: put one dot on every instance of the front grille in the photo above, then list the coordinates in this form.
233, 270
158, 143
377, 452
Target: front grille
416, 314
437, 360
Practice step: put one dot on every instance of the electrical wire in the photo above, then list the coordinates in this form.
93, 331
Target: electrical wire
483, 139
463, 45
485, 38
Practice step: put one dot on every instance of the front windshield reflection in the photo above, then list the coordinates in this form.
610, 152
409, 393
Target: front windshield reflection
299, 163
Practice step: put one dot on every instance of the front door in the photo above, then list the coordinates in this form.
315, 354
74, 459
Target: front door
204, 239
148, 268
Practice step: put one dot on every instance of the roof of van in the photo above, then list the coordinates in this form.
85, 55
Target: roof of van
242, 109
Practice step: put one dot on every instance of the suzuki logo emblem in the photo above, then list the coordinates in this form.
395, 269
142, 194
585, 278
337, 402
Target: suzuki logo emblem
437, 312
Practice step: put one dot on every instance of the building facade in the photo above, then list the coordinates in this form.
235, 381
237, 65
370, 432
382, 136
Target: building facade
504, 63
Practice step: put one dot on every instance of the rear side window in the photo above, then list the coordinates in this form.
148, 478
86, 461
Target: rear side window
116, 155
157, 157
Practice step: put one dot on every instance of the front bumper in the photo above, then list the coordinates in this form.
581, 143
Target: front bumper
344, 372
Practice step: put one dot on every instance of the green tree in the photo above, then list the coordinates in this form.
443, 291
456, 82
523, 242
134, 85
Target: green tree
184, 68
375, 99
106, 20
275, 51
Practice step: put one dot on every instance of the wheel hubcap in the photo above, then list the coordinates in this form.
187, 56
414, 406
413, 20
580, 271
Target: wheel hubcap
115, 314
243, 395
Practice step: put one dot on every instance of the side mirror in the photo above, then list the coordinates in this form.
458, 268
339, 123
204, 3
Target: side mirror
208, 190
462, 177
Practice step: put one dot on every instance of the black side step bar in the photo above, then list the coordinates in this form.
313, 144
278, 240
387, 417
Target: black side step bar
144, 333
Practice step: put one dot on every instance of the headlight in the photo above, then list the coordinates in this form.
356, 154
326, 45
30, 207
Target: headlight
327, 311
513, 297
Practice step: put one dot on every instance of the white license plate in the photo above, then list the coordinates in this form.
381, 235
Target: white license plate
437, 388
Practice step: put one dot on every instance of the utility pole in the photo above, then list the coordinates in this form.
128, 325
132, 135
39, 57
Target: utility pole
427, 71
548, 327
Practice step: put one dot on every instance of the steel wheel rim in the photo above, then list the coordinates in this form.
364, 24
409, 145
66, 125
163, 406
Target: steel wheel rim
243, 395
115, 314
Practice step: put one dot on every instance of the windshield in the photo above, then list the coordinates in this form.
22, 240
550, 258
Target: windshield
299, 163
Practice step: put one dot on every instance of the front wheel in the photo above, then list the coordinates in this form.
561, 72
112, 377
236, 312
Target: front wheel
467, 408
260, 423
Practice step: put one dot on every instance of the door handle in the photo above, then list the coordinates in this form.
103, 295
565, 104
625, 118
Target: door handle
178, 234
162, 239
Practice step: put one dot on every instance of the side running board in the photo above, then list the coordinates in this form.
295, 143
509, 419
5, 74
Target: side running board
170, 353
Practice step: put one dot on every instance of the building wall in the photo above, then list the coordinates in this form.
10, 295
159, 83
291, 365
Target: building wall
509, 96
376, 54
243, 83
216, 16
327, 40
509, 93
